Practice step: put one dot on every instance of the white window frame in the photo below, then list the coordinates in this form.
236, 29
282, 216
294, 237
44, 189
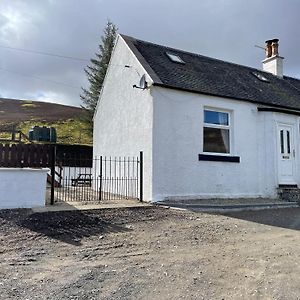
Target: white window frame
218, 126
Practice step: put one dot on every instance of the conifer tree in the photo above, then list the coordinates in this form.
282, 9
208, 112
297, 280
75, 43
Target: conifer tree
96, 72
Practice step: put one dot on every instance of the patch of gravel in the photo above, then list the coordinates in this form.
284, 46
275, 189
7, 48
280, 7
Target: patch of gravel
149, 253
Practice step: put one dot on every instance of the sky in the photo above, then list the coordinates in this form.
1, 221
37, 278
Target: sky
223, 29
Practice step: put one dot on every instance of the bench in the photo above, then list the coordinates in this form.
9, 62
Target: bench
82, 179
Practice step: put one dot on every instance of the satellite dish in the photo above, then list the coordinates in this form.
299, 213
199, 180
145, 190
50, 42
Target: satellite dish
143, 82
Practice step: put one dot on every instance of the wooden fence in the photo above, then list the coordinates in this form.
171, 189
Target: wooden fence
26, 155
9, 133
45, 155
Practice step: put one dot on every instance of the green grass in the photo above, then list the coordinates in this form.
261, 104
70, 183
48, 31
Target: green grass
29, 105
72, 131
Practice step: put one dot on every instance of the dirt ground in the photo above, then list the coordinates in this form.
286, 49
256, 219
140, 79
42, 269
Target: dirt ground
149, 253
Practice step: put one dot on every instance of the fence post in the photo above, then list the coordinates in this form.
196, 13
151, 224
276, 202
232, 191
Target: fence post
100, 187
141, 176
53, 159
13, 133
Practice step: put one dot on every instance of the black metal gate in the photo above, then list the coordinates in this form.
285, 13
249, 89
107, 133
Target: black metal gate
103, 178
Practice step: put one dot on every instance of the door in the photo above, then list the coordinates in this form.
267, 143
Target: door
286, 157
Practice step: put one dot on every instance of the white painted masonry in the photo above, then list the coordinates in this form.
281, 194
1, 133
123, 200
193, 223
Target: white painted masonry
22, 188
167, 124
178, 139
274, 65
123, 120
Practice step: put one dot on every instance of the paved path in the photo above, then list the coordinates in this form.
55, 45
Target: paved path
65, 206
223, 205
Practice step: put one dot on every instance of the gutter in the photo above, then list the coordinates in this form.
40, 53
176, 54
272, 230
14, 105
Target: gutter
270, 107
279, 110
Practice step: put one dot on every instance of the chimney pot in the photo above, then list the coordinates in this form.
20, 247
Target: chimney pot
272, 47
275, 47
273, 63
268, 48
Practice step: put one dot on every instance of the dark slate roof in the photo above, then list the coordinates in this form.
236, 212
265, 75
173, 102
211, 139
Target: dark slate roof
210, 76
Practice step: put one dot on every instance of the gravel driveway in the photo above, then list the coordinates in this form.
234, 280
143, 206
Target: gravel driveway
149, 253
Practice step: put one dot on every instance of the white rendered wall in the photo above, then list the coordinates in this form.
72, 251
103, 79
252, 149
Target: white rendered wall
178, 138
22, 188
168, 126
123, 120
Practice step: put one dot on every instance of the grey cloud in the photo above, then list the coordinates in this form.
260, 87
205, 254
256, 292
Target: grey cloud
3, 21
222, 29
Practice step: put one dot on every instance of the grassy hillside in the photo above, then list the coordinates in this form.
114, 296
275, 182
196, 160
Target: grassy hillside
67, 120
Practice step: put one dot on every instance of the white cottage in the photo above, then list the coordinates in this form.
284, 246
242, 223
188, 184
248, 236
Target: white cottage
208, 128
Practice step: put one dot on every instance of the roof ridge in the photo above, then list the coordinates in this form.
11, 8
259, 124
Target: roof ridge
211, 76
204, 56
198, 55
290, 77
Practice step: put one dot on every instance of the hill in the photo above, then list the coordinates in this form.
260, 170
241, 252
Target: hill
12, 110
66, 119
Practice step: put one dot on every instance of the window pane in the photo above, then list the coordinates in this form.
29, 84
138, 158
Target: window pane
281, 142
175, 58
215, 117
216, 140
288, 142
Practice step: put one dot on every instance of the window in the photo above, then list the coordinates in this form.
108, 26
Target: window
282, 142
216, 131
175, 58
260, 77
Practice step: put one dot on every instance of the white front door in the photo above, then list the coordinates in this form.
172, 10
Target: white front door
286, 157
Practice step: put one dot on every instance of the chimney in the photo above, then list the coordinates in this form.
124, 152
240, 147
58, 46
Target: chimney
273, 63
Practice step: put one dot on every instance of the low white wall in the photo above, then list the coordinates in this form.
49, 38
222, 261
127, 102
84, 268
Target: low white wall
22, 187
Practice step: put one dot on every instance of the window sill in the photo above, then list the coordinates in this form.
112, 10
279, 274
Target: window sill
214, 157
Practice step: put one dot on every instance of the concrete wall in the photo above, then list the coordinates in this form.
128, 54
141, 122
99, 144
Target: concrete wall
123, 120
22, 188
178, 139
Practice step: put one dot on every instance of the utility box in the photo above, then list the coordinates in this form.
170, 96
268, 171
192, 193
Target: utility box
42, 134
